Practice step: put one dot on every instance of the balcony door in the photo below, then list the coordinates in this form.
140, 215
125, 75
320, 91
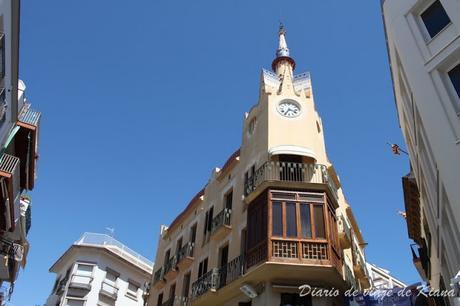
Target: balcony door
290, 168
223, 260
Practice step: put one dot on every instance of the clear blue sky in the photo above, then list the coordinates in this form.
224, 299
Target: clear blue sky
141, 99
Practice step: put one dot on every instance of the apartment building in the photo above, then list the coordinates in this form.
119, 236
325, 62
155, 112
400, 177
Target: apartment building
273, 218
99, 270
423, 39
19, 134
381, 279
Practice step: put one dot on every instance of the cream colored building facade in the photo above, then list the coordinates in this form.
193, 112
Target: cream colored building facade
423, 39
273, 218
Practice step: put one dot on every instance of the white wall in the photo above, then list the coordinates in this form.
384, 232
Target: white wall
102, 260
429, 115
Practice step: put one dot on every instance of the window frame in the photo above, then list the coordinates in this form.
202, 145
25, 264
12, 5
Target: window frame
428, 35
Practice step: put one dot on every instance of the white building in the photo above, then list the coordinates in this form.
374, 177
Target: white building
381, 278
99, 270
423, 38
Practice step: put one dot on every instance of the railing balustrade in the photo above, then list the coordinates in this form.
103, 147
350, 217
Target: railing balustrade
170, 264
290, 172
206, 282
222, 218
158, 275
185, 251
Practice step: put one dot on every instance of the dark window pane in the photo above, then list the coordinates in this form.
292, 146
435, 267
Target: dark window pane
454, 76
228, 200
291, 224
319, 221
277, 219
435, 18
306, 220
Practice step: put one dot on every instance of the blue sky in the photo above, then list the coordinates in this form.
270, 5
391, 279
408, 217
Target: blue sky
141, 99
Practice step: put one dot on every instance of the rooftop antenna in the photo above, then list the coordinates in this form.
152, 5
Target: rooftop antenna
111, 231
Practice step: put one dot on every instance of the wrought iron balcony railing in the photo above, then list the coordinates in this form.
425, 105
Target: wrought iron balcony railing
205, 283
185, 251
158, 275
222, 218
219, 277
170, 264
290, 172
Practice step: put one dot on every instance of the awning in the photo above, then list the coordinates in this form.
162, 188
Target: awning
292, 150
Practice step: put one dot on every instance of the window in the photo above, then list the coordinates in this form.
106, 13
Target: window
193, 233
160, 299
229, 199
277, 222
172, 292
132, 289
74, 302
305, 220
203, 267
295, 299
454, 76
308, 208
186, 285
179, 245
291, 224
208, 220
83, 274
435, 18
109, 284
167, 255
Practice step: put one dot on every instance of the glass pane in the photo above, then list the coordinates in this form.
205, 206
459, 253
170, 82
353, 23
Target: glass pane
454, 76
291, 224
306, 220
277, 219
319, 221
435, 18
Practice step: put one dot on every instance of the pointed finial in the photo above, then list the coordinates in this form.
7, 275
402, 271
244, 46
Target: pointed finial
282, 53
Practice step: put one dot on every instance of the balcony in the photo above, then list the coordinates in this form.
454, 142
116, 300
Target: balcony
27, 144
360, 270
10, 171
158, 279
289, 175
344, 232
421, 260
218, 278
109, 290
78, 281
12, 254
185, 256
220, 226
171, 268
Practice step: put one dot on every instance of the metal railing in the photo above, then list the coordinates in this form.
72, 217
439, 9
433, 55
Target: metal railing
170, 264
29, 115
116, 247
231, 271
206, 282
158, 275
185, 251
222, 218
109, 289
290, 172
219, 277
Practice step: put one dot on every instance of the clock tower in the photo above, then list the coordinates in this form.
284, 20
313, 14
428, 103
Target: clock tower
284, 124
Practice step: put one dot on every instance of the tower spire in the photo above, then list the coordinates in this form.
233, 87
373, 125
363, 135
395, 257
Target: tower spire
282, 53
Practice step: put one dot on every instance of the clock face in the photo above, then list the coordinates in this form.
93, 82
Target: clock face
289, 108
